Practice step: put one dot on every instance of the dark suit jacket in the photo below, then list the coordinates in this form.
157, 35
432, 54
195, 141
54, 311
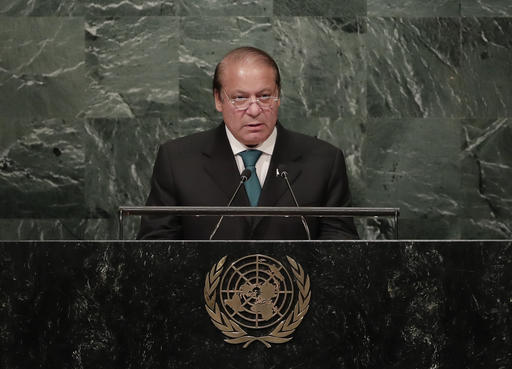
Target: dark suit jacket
200, 170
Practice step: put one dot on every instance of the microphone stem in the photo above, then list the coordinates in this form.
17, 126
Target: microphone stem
229, 204
303, 220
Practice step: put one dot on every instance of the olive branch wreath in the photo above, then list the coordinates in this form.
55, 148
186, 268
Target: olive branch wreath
236, 334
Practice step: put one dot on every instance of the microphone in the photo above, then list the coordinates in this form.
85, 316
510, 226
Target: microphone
244, 176
283, 173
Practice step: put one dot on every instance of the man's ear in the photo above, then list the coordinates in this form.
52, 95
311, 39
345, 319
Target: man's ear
218, 101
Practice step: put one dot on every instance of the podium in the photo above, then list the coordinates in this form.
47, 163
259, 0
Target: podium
260, 211
141, 304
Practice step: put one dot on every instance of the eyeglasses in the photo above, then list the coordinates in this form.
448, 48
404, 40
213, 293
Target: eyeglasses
242, 103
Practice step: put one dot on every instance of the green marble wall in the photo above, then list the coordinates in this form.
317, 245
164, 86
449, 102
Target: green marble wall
417, 93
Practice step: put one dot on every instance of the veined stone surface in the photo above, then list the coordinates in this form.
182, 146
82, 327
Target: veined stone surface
42, 67
416, 93
130, 7
322, 71
326, 8
87, 7
486, 8
42, 169
486, 67
67, 229
132, 67
119, 162
42, 8
413, 67
250, 8
413, 8
421, 177
487, 170
408, 304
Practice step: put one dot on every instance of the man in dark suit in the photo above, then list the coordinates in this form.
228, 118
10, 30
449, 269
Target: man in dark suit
204, 169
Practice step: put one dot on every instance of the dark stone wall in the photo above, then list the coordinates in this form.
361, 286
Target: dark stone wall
381, 304
417, 93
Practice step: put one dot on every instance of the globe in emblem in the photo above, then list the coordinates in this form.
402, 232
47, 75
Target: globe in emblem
256, 291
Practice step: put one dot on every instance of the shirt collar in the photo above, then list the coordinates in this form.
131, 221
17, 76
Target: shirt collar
267, 146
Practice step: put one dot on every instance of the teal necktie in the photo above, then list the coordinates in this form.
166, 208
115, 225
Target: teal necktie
252, 185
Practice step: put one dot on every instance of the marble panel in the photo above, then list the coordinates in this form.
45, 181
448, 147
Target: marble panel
486, 8
408, 304
477, 270
41, 229
86, 7
486, 67
414, 164
42, 169
327, 8
487, 169
108, 228
413, 67
249, 8
67, 229
413, 280
322, 71
349, 134
377, 228
130, 7
119, 162
204, 41
42, 8
132, 65
413, 8
41, 67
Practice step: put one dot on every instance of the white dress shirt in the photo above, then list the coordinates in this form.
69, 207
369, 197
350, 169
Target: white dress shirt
266, 148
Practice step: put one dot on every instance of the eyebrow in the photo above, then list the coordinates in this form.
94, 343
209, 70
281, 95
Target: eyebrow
258, 92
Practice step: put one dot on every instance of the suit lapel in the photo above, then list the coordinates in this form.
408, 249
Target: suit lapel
287, 155
220, 165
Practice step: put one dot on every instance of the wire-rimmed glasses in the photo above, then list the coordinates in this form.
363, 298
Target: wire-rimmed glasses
242, 103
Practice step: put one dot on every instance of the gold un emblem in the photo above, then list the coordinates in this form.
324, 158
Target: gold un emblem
257, 294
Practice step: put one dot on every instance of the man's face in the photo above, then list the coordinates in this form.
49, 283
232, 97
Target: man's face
249, 80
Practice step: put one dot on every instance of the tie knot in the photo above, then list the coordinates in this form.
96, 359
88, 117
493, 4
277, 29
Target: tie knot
250, 157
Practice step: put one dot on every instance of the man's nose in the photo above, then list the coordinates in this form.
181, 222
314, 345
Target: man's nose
254, 108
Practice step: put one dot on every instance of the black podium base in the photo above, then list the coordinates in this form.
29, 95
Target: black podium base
389, 304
